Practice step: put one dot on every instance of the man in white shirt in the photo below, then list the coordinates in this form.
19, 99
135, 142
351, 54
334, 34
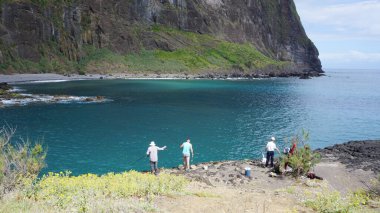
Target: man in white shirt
152, 153
271, 146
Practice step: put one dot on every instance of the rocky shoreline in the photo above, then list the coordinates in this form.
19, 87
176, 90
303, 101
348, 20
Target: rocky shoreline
353, 156
51, 77
226, 186
10, 96
363, 155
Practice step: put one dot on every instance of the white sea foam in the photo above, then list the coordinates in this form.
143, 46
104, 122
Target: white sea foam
147, 78
16, 89
48, 81
61, 99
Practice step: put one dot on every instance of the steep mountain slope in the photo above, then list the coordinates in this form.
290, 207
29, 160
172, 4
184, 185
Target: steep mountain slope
196, 36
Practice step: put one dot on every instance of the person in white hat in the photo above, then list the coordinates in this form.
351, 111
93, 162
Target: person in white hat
152, 153
271, 146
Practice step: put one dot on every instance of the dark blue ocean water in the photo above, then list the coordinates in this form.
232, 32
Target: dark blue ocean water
224, 119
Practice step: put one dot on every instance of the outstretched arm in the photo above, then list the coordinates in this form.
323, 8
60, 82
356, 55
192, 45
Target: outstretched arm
181, 146
278, 151
163, 148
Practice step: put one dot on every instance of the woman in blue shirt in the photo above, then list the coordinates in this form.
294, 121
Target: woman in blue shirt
187, 148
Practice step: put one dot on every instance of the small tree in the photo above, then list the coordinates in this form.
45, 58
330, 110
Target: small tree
374, 187
18, 160
303, 159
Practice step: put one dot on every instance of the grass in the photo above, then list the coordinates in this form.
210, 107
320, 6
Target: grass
21, 190
333, 201
291, 190
10, 95
202, 51
42, 3
89, 192
190, 53
205, 53
206, 195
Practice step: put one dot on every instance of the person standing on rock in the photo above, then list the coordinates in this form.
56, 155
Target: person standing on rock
271, 146
187, 147
152, 153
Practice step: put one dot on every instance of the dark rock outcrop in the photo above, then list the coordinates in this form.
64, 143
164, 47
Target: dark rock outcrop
356, 154
5, 86
30, 31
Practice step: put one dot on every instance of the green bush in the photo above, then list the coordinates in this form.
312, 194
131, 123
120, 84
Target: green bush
375, 187
303, 159
328, 201
64, 191
18, 161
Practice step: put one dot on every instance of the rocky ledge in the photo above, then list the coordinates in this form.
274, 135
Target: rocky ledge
363, 155
257, 75
224, 172
12, 97
354, 155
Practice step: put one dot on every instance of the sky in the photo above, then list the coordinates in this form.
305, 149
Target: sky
346, 33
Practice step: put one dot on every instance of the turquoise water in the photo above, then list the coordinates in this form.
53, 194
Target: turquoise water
224, 119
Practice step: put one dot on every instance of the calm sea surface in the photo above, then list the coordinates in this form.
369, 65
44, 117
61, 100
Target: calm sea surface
224, 119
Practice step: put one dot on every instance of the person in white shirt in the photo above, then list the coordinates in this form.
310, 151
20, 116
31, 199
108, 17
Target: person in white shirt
152, 153
271, 146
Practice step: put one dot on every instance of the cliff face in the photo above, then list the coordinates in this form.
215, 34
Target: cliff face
32, 31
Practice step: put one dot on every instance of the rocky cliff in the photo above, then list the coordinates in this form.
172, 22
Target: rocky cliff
247, 36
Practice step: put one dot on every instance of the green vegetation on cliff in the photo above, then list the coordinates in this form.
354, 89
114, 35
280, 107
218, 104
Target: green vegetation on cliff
261, 37
206, 53
43, 3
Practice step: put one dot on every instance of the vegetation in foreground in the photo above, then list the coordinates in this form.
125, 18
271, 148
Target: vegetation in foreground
303, 159
22, 191
333, 201
91, 193
18, 162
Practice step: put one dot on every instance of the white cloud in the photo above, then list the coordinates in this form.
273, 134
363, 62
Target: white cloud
352, 56
346, 32
352, 19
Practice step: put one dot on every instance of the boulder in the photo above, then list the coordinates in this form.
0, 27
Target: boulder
305, 76
272, 174
5, 86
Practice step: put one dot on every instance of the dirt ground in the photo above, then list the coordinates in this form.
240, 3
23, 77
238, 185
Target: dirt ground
224, 188
226, 199
343, 179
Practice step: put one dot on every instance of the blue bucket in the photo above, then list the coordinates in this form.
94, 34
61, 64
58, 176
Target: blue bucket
248, 172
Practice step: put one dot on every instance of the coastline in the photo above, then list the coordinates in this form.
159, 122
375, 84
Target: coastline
45, 77
354, 162
210, 187
14, 97
52, 77
229, 188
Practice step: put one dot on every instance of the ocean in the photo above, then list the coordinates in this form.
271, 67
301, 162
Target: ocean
225, 119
